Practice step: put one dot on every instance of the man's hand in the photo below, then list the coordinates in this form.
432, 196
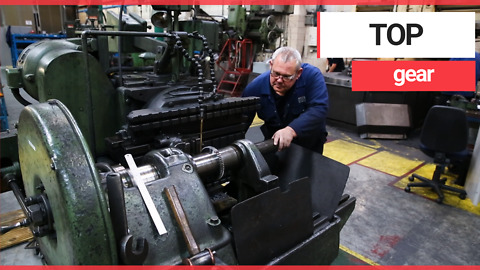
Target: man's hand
283, 137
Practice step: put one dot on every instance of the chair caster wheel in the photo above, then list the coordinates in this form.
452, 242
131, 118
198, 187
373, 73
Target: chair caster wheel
407, 189
439, 200
411, 178
443, 181
462, 196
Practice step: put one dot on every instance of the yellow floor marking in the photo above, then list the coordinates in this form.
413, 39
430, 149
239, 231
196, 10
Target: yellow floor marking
346, 152
355, 254
390, 163
365, 142
256, 121
450, 198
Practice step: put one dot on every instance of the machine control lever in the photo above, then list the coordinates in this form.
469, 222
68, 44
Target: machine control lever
198, 257
181, 218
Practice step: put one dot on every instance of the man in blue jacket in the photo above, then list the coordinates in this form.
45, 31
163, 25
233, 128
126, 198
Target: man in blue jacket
293, 101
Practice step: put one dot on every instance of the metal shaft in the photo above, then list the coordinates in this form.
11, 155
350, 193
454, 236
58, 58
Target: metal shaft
208, 164
231, 157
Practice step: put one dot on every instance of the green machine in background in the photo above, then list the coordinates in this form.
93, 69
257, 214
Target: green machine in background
131, 156
259, 25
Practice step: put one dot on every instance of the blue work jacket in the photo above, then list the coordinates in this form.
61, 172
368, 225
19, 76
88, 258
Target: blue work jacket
305, 109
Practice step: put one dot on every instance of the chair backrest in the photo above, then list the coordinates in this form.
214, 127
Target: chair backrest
445, 129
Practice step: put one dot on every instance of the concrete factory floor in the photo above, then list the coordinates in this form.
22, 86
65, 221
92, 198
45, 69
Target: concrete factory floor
388, 225
392, 227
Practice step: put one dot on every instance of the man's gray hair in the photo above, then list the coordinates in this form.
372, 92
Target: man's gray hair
287, 54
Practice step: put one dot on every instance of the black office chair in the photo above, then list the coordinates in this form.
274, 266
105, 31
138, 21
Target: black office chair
444, 137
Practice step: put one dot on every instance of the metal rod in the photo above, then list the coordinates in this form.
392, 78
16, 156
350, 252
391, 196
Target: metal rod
116, 200
125, 33
89, 101
266, 146
181, 219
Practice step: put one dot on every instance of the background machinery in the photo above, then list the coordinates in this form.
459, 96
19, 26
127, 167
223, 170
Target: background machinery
131, 156
247, 35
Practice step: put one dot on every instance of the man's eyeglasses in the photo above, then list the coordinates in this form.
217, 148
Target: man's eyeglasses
285, 78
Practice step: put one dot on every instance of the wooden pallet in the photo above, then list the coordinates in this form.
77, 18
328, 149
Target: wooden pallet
15, 236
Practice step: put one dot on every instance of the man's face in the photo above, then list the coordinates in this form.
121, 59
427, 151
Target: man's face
283, 75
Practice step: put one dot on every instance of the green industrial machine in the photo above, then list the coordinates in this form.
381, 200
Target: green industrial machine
259, 25
142, 162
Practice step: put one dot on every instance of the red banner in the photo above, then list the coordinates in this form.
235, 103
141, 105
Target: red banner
413, 76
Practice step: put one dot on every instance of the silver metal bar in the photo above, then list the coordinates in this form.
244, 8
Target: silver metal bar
147, 199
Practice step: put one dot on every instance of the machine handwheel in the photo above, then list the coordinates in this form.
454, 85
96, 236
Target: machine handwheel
54, 155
